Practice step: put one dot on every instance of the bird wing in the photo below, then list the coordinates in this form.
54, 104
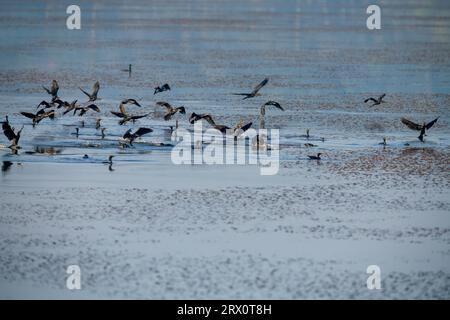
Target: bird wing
55, 87
141, 131
118, 114
133, 101
95, 88
259, 86
411, 125
127, 134
168, 116
8, 131
246, 127
370, 99
208, 118
166, 86
275, 104
85, 92
164, 104
138, 117
28, 115
430, 124
93, 107
182, 110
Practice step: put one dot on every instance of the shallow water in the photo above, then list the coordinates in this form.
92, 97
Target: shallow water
322, 63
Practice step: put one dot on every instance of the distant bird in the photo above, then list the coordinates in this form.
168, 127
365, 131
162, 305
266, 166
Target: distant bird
307, 134
164, 87
315, 157
83, 110
128, 70
39, 116
53, 91
92, 96
376, 101
11, 135
85, 156
195, 117
77, 132
46, 105
109, 160
384, 143
262, 113
254, 93
418, 127
310, 145
98, 123
131, 101
125, 116
103, 133
130, 137
170, 111
69, 106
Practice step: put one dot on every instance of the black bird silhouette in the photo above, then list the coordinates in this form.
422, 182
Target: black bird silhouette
170, 111
53, 91
254, 93
418, 127
164, 87
6, 165
83, 110
11, 135
39, 116
92, 96
315, 157
376, 101
125, 116
262, 113
138, 133
131, 101
237, 130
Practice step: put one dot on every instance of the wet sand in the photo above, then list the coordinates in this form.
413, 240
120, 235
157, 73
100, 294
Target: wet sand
152, 229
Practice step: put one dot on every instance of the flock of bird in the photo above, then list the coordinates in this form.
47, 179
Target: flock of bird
48, 109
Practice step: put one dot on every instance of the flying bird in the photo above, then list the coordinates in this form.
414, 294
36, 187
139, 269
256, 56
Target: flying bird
170, 111
422, 128
164, 87
130, 137
69, 106
53, 91
254, 93
125, 116
39, 116
376, 101
131, 101
92, 96
83, 110
11, 135
262, 113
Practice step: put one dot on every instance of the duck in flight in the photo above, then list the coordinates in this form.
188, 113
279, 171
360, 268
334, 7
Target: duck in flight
237, 130
130, 137
422, 128
39, 116
11, 135
170, 111
125, 116
376, 101
164, 87
53, 91
83, 110
262, 113
254, 93
92, 96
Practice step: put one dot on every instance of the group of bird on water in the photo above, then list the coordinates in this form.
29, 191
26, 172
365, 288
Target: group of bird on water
48, 109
